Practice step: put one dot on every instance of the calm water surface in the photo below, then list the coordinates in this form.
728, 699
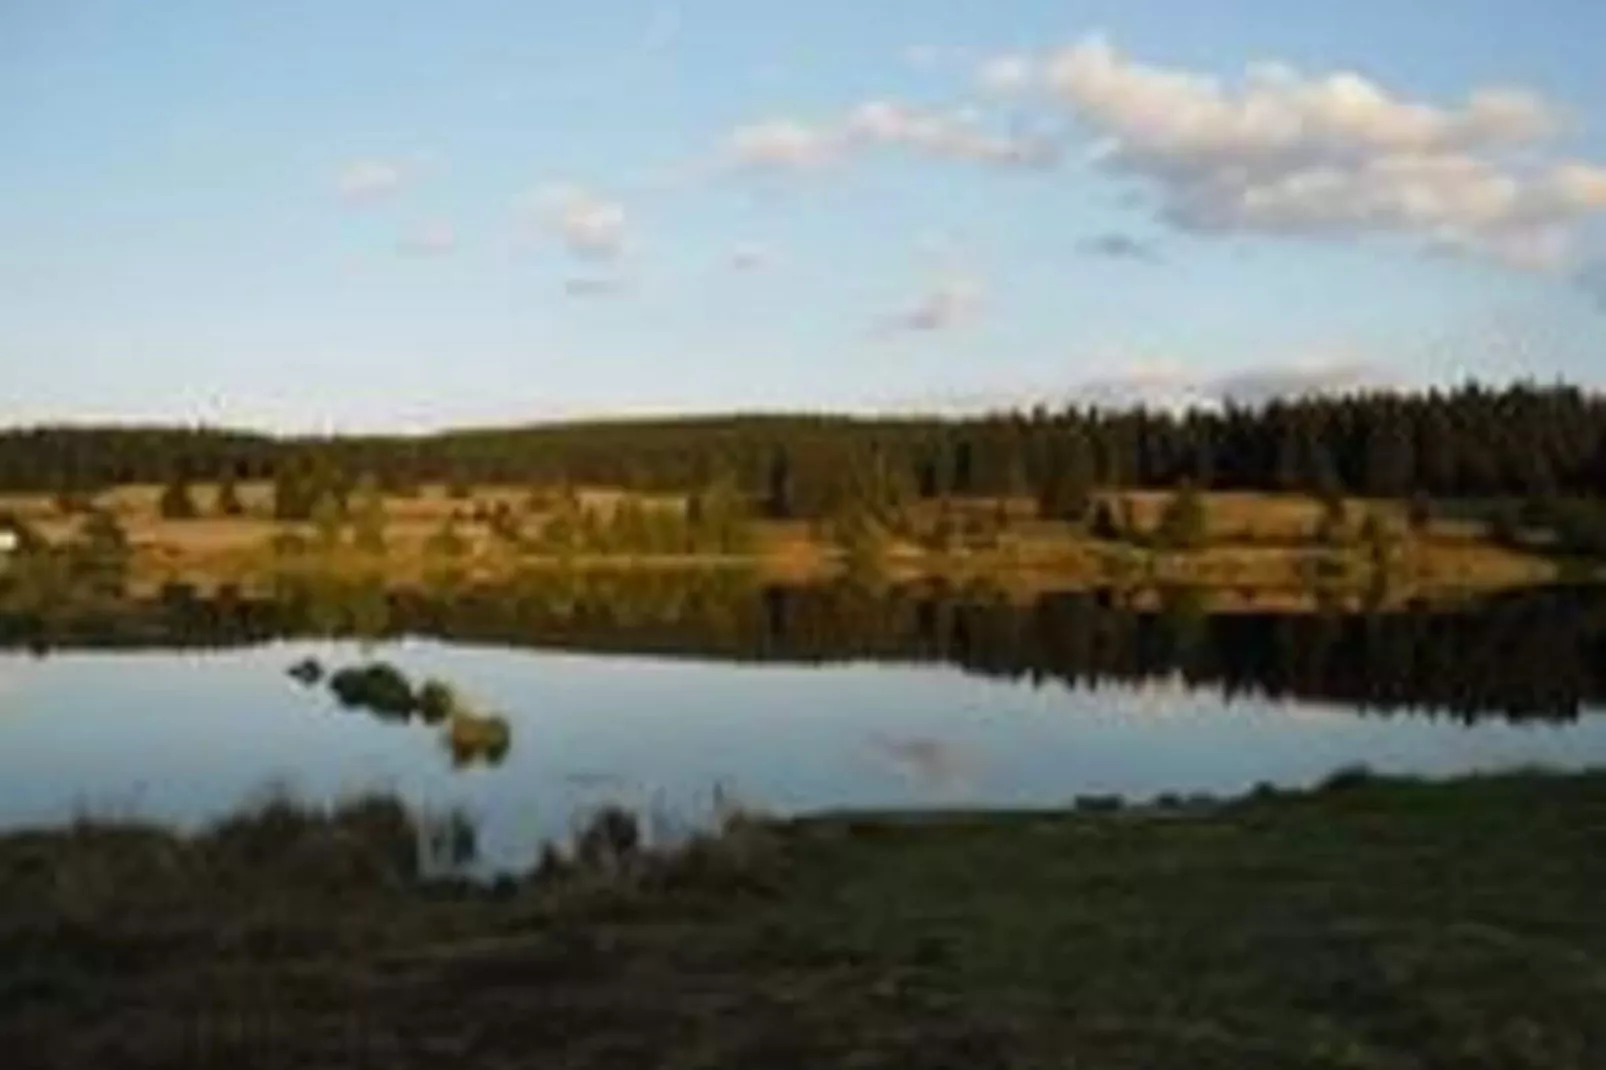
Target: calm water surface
184, 736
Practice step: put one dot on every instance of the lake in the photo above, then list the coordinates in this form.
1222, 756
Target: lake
791, 701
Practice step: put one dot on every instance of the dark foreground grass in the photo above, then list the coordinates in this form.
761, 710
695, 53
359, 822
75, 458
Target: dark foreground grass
1369, 925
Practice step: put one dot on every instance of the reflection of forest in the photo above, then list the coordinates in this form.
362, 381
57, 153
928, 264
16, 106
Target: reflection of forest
1539, 653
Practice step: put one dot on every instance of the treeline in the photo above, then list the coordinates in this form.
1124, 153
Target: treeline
1532, 655
1526, 441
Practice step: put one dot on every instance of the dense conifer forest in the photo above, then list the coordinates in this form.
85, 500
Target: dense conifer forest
1523, 440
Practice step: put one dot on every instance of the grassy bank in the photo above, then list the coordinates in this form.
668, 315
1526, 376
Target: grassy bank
1268, 543
1369, 924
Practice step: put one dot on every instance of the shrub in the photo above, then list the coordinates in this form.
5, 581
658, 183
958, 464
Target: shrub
1182, 524
472, 738
1419, 511
447, 541
437, 701
307, 672
378, 687
177, 502
1098, 804
1349, 778
609, 840
1104, 524
289, 543
228, 498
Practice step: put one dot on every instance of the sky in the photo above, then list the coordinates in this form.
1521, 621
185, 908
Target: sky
379, 214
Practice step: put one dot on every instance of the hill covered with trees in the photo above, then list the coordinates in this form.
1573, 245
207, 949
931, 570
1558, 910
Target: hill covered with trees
1523, 441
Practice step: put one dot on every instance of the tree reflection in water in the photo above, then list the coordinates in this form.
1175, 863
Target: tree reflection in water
1538, 653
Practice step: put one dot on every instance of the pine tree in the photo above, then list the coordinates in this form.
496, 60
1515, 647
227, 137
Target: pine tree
368, 523
1182, 524
1068, 484
328, 519
1419, 510
1105, 526
1332, 528
228, 497
1390, 456
177, 502
780, 504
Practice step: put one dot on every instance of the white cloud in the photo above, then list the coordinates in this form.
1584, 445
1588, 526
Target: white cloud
784, 143
957, 134
1256, 386
589, 224
792, 144
1005, 75
1579, 185
1166, 384
433, 239
362, 181
1335, 155
947, 305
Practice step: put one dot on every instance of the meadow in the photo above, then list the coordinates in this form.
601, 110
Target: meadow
1370, 924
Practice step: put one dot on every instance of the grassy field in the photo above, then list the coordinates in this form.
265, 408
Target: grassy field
1261, 541
1365, 926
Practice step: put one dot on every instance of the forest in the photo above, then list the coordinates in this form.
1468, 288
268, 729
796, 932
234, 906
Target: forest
1476, 442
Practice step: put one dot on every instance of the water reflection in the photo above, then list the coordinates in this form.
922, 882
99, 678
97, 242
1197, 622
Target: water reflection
1529, 654
930, 764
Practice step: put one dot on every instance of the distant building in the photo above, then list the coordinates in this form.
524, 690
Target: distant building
10, 537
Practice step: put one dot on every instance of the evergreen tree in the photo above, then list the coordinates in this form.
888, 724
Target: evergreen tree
177, 502
1419, 511
1068, 483
102, 535
368, 520
962, 480
779, 505
1332, 527
1378, 540
228, 497
328, 520
1105, 526
1505, 524
1182, 524
1390, 460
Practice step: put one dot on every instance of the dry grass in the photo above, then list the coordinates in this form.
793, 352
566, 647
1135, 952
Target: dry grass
1367, 925
1243, 516
1260, 541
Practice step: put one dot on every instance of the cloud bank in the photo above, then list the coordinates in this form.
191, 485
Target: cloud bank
1282, 153
957, 134
1168, 385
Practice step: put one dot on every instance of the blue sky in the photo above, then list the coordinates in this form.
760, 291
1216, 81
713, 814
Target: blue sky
357, 214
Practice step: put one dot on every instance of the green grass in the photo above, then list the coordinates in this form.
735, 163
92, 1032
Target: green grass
1371, 924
